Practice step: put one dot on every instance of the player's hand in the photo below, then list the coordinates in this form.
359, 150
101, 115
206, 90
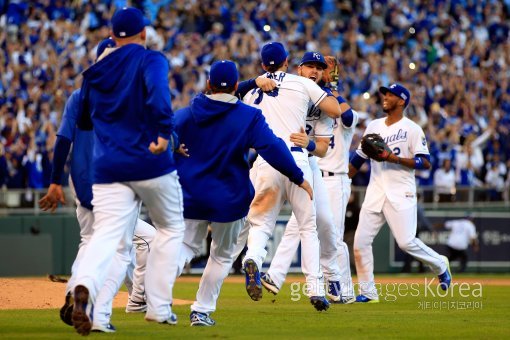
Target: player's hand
265, 84
300, 138
160, 147
308, 188
54, 196
182, 150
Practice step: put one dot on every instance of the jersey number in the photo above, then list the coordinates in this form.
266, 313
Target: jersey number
332, 142
396, 151
272, 93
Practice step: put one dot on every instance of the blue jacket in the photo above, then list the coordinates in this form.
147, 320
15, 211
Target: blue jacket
215, 178
126, 94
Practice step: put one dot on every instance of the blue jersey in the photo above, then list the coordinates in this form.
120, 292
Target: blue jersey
81, 159
127, 97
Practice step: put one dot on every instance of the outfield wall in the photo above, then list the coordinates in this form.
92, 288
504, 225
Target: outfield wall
47, 244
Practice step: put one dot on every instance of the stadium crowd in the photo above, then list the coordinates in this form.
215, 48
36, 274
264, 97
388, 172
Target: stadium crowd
453, 55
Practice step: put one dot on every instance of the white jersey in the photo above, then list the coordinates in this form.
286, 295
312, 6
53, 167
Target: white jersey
285, 108
462, 232
394, 181
337, 158
318, 124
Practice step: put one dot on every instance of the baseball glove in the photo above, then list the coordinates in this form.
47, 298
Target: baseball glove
330, 75
374, 147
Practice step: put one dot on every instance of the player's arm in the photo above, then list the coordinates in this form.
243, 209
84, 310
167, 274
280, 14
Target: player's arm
155, 77
263, 83
355, 163
419, 162
317, 147
65, 136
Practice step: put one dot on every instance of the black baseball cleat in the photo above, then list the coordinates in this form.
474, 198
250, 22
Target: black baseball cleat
82, 311
67, 310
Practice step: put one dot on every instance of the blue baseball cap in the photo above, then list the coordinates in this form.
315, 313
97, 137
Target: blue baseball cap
273, 53
103, 45
127, 22
314, 57
223, 74
398, 90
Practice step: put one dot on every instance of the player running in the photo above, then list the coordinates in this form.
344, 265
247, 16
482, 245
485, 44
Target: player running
391, 192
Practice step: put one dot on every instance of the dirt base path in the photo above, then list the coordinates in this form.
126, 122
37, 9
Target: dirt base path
41, 293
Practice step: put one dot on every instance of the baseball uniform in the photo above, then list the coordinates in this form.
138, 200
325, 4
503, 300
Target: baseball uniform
285, 109
391, 197
127, 99
81, 186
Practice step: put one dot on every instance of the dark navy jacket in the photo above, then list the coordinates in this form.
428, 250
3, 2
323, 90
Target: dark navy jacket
127, 96
215, 178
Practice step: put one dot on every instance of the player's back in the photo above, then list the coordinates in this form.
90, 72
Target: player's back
285, 108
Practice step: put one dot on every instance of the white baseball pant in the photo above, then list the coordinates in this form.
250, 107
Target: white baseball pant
326, 230
402, 224
224, 237
339, 190
115, 209
271, 190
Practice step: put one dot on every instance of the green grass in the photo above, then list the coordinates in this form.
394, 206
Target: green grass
239, 317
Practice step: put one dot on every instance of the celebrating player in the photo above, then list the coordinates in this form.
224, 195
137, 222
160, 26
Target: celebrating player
81, 179
216, 185
285, 109
127, 98
396, 146
331, 192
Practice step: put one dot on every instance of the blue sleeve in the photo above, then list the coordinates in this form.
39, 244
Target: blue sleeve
70, 116
60, 153
356, 160
244, 87
347, 118
273, 149
155, 74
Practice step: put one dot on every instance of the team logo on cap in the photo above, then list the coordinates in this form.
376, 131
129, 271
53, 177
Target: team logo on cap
317, 56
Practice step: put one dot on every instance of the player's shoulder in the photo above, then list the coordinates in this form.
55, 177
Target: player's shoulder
412, 126
375, 123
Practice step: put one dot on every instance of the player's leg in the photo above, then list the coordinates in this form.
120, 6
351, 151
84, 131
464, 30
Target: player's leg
85, 221
304, 209
343, 250
113, 281
115, 210
144, 234
403, 224
194, 236
370, 222
218, 265
327, 233
275, 275
163, 198
264, 210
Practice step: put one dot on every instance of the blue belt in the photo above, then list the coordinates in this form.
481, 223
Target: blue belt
331, 174
296, 148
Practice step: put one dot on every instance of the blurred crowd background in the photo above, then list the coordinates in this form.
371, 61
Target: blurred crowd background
453, 55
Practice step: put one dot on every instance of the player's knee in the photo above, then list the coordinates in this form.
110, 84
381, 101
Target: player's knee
405, 245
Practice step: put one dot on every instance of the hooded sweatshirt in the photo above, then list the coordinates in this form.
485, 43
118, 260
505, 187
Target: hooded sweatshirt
126, 95
218, 131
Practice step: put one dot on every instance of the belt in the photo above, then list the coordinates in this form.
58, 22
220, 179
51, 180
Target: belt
296, 148
331, 174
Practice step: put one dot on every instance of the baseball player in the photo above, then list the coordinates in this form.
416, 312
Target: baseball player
330, 222
216, 186
396, 146
82, 189
285, 109
127, 99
